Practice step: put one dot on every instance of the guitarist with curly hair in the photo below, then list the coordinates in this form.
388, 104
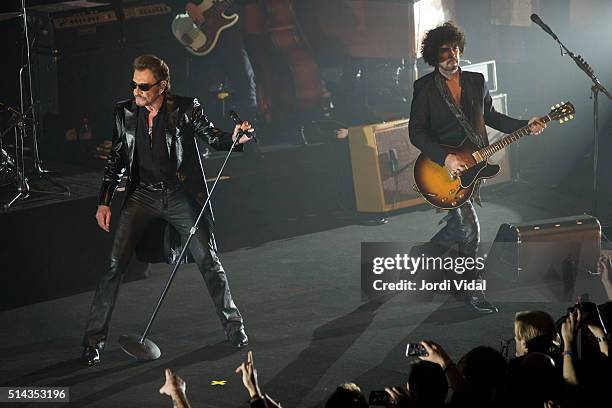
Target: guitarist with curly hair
450, 106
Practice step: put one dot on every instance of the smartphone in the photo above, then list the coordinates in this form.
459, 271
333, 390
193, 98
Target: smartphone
415, 349
380, 398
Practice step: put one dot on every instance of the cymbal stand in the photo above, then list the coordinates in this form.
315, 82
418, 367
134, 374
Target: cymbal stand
23, 188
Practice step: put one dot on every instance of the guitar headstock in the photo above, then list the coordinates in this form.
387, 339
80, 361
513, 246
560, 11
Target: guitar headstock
562, 112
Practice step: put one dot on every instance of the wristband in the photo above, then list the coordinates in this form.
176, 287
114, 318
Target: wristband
448, 367
567, 353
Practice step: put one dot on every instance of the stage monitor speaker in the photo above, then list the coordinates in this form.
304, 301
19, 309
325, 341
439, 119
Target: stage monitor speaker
382, 159
552, 250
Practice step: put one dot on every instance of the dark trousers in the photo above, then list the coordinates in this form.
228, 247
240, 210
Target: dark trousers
140, 209
461, 232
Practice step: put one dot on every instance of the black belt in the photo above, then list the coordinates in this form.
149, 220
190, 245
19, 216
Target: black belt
157, 186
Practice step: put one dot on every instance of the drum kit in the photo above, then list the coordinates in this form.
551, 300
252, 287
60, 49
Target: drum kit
22, 124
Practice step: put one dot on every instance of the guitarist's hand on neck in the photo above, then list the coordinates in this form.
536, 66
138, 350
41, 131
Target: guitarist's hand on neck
195, 13
536, 125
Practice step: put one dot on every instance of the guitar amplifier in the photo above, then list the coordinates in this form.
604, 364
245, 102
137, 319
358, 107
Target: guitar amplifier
550, 250
82, 46
74, 27
382, 160
81, 27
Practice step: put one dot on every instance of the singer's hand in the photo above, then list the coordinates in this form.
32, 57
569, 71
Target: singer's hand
245, 128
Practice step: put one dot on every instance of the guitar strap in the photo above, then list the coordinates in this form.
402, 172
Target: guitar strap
475, 137
478, 139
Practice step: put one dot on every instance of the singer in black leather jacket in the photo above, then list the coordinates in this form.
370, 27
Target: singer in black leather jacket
185, 120
154, 145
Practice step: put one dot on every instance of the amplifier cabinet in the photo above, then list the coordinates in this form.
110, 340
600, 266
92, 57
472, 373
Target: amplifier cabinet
382, 160
546, 250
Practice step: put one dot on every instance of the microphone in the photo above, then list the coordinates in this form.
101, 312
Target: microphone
536, 19
236, 119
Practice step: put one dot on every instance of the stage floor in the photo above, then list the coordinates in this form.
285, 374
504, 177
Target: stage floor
300, 296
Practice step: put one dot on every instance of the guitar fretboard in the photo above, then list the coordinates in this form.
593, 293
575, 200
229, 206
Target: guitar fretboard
487, 152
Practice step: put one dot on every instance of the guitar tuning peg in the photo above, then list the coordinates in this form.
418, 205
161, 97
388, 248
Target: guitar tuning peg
571, 116
552, 108
557, 105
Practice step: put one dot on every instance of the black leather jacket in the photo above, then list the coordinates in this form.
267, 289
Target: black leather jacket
185, 119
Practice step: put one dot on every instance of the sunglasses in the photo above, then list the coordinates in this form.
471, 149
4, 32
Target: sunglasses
144, 87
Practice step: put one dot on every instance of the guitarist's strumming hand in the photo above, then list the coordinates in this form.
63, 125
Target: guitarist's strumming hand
195, 13
455, 164
536, 125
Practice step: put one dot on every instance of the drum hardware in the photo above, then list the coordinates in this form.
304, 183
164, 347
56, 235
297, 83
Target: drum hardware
21, 120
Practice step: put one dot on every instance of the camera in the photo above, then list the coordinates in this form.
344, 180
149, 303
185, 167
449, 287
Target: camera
379, 398
591, 313
415, 349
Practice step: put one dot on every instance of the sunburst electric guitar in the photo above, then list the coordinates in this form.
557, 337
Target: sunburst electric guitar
201, 40
443, 190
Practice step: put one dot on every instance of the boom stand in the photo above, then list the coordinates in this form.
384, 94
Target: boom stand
596, 87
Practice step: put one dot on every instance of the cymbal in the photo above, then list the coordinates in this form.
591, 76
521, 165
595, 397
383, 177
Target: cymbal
8, 16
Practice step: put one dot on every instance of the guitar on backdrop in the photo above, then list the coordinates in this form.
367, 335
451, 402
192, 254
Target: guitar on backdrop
199, 35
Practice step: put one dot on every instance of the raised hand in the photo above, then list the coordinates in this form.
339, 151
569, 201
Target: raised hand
249, 376
175, 388
244, 127
436, 354
569, 328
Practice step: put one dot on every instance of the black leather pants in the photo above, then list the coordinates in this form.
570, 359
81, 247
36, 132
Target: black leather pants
462, 231
140, 209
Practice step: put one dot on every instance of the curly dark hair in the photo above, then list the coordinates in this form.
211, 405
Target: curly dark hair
447, 33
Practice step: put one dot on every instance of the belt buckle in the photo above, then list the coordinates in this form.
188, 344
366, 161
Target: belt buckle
158, 186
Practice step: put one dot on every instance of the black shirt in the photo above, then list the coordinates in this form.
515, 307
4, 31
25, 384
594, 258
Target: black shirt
152, 152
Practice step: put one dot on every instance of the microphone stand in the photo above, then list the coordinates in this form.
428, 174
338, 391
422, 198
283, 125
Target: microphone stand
596, 87
139, 346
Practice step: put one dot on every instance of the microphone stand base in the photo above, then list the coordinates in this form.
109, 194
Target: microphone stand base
143, 351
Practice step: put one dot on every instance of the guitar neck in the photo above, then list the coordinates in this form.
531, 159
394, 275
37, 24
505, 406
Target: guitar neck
488, 151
